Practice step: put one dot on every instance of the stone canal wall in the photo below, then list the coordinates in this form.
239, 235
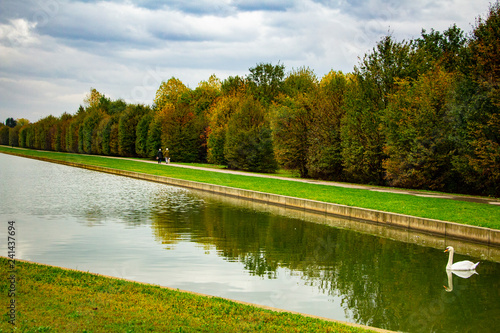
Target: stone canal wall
436, 227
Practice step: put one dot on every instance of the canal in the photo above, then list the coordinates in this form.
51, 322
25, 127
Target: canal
235, 249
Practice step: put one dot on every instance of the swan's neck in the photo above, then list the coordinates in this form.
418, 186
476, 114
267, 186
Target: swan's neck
450, 259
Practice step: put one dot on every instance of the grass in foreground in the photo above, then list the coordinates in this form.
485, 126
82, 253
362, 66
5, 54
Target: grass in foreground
50, 299
435, 208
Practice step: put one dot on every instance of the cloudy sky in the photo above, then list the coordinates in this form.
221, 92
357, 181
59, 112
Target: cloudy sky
53, 51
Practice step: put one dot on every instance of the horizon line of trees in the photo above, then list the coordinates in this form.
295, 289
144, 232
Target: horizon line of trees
420, 114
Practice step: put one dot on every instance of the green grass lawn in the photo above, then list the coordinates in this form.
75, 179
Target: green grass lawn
50, 299
435, 208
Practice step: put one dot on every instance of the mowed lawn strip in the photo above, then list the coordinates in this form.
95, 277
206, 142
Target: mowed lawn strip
51, 299
435, 208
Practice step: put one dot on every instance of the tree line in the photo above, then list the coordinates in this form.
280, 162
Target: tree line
420, 114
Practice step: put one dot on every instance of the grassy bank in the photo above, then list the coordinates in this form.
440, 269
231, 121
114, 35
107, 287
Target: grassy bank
435, 208
50, 299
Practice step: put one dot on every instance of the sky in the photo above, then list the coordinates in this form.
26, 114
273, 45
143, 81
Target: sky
52, 52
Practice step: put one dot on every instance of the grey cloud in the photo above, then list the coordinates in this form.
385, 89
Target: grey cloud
264, 5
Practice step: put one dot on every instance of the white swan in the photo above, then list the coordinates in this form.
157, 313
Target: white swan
465, 265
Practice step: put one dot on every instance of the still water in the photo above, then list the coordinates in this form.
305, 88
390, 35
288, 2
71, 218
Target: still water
178, 238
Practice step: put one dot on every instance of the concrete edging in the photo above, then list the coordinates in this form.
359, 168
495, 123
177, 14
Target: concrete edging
436, 227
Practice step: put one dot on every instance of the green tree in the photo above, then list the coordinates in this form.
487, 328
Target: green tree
4, 134
218, 118
181, 133
89, 130
154, 134
446, 50
14, 135
419, 148
477, 108
365, 103
291, 120
266, 81
73, 133
11, 122
141, 143
127, 124
248, 139
325, 145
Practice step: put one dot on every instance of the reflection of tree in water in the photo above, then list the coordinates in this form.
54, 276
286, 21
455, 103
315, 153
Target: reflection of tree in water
380, 282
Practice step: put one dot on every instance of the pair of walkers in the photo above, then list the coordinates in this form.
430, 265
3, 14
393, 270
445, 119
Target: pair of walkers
159, 156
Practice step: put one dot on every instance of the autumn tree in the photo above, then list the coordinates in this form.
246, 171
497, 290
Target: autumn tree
4, 134
478, 108
324, 160
218, 117
365, 102
169, 92
93, 98
418, 129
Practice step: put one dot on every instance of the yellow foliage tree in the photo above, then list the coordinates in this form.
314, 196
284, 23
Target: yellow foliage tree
169, 92
92, 98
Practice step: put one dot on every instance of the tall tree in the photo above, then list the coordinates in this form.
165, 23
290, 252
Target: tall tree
169, 92
266, 81
365, 102
325, 145
248, 143
291, 120
127, 128
418, 122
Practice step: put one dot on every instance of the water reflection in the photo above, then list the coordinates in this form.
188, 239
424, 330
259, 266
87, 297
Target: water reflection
380, 282
235, 249
462, 274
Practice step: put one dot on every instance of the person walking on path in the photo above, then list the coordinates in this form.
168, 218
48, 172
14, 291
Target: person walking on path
167, 156
159, 157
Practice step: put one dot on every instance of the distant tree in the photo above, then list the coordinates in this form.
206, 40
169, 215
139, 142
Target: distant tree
127, 128
447, 50
10, 122
169, 92
103, 134
301, 80
248, 143
141, 143
93, 98
14, 136
116, 107
233, 85
4, 134
266, 81
22, 121
73, 132
154, 133
89, 130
